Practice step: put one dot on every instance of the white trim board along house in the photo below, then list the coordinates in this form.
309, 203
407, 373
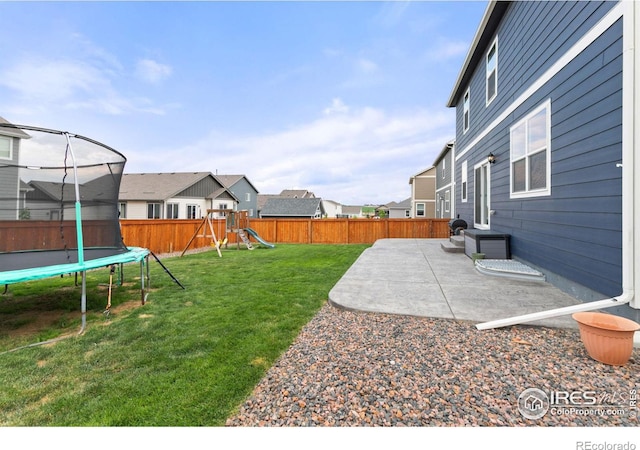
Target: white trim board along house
546, 140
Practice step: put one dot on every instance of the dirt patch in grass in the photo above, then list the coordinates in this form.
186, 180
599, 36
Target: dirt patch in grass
31, 323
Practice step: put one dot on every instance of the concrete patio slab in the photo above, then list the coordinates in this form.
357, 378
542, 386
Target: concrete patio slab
416, 277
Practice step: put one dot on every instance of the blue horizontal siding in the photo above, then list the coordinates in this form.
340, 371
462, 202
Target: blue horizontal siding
576, 231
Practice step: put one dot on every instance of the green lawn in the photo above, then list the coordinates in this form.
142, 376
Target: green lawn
186, 358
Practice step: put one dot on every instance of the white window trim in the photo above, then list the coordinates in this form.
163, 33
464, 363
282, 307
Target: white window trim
486, 62
10, 148
424, 210
537, 192
482, 226
605, 23
464, 192
466, 110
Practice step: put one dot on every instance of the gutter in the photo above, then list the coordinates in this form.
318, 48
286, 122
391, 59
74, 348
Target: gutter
630, 190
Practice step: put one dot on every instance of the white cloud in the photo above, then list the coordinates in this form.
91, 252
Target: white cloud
360, 155
366, 65
446, 49
51, 85
151, 71
337, 107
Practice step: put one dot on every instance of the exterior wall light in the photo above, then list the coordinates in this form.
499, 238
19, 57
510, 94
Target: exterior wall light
491, 158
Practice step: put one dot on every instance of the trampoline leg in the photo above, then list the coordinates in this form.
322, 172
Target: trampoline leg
83, 302
6, 289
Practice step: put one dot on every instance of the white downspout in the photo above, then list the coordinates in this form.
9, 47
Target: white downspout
630, 189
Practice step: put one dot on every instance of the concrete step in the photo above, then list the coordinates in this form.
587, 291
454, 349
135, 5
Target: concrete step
457, 240
450, 247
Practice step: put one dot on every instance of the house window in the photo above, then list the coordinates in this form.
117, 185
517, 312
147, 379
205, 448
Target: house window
192, 211
5, 148
247, 197
122, 210
172, 210
530, 141
223, 206
447, 201
407, 213
444, 167
153, 210
419, 209
465, 112
482, 196
464, 181
492, 72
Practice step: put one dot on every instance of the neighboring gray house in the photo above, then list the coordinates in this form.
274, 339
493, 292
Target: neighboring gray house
445, 206
286, 193
546, 141
301, 208
400, 210
179, 195
10, 184
244, 190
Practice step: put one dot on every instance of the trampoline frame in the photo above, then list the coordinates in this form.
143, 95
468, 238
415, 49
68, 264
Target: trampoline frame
133, 254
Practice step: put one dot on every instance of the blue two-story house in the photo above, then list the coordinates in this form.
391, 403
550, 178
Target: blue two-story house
546, 110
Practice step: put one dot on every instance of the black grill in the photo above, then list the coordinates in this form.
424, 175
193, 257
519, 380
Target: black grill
455, 225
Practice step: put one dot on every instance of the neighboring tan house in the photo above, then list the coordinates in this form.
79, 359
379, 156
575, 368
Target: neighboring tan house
352, 212
400, 210
445, 206
180, 195
293, 208
546, 141
244, 190
423, 194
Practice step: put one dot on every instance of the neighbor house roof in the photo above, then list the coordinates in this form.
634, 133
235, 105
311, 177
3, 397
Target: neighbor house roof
297, 193
404, 204
10, 131
492, 16
230, 180
448, 146
161, 186
292, 207
423, 173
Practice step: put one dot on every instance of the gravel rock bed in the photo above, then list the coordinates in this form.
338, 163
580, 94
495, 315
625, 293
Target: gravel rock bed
349, 369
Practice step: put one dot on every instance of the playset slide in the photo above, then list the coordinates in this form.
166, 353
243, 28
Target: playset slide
257, 237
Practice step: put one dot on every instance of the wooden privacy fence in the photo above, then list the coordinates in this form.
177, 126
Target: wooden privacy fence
168, 236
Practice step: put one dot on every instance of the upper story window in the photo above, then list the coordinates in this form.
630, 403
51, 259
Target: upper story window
465, 112
5, 147
530, 141
420, 210
247, 197
444, 167
492, 72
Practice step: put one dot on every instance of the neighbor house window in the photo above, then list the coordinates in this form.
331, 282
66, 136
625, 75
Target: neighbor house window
530, 141
153, 210
407, 213
172, 210
122, 210
444, 167
192, 211
464, 181
247, 197
492, 72
465, 112
419, 209
5, 148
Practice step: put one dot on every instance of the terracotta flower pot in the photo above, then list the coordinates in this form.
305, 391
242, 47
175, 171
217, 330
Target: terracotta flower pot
608, 338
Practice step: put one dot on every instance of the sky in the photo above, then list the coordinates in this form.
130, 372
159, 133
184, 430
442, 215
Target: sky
344, 99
